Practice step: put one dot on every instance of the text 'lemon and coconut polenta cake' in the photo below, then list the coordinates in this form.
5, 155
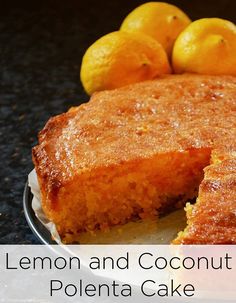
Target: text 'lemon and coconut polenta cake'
134, 152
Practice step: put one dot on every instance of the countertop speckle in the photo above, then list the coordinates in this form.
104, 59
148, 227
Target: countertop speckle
41, 46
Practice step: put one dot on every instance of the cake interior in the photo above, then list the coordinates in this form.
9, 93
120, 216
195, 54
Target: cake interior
139, 189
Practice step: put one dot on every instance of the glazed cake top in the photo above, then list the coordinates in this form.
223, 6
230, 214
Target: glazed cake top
169, 114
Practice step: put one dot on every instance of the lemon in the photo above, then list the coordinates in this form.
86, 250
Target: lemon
120, 58
206, 46
161, 21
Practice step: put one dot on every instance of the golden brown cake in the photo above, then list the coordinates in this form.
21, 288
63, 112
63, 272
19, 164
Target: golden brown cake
134, 152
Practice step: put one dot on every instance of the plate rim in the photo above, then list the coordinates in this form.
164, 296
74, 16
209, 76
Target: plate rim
38, 229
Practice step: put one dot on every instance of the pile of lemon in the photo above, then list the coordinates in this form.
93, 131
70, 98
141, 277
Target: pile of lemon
158, 38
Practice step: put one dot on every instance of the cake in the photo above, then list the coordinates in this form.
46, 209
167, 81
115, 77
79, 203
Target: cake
139, 151
212, 220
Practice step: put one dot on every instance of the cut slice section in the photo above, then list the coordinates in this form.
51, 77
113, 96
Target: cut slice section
213, 218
